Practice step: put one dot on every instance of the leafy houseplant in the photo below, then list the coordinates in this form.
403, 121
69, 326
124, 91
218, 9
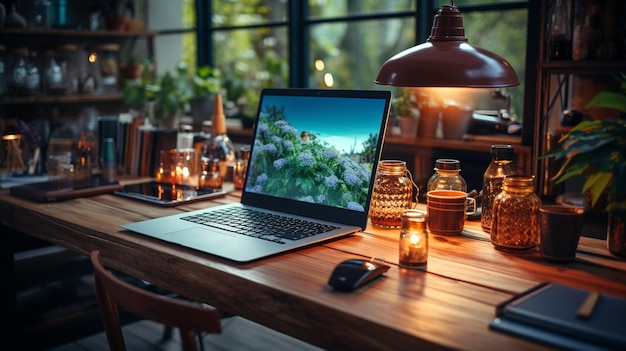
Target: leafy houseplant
204, 84
155, 96
116, 13
596, 150
406, 110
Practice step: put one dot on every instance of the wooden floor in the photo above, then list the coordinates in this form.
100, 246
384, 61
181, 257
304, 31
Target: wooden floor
237, 334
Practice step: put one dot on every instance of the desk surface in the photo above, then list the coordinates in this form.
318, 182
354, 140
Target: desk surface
448, 306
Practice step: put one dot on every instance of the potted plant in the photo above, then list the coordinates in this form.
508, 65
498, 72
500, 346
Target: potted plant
204, 83
116, 13
596, 150
405, 108
131, 70
161, 98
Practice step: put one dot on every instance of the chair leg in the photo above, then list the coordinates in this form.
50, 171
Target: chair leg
167, 333
200, 341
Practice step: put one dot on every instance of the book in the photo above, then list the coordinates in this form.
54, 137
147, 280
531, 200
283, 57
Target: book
548, 313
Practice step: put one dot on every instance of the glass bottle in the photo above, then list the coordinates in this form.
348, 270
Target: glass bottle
18, 73
447, 176
559, 31
516, 214
392, 194
210, 177
219, 146
501, 165
413, 243
33, 75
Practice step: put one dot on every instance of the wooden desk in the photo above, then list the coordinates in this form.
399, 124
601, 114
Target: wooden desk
448, 306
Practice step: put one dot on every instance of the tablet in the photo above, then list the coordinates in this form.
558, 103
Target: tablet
167, 194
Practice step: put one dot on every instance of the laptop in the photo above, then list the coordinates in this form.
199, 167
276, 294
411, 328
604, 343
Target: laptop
313, 164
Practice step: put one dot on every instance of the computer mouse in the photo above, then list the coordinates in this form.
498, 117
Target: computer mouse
353, 273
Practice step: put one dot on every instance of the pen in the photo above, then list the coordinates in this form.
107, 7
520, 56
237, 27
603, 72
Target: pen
586, 308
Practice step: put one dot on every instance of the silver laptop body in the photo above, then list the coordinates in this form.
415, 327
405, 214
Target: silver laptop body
313, 157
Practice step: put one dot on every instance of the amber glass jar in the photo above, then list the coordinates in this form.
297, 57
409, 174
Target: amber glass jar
392, 194
516, 214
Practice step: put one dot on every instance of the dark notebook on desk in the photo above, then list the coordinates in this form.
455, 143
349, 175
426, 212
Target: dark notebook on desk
65, 190
312, 168
550, 313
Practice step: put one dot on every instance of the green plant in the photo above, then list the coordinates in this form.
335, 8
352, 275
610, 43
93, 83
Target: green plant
405, 103
205, 82
596, 150
159, 96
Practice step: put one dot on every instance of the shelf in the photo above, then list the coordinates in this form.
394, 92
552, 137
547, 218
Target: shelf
61, 99
78, 33
581, 67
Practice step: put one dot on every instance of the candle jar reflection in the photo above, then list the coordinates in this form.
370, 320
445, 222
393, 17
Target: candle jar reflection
413, 240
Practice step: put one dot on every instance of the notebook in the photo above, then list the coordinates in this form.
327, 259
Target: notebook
313, 158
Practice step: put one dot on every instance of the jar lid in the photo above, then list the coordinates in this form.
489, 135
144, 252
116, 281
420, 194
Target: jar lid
447, 164
502, 152
518, 181
395, 167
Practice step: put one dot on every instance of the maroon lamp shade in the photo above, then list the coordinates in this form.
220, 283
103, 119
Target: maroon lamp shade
447, 60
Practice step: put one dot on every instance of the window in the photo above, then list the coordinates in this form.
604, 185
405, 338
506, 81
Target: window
339, 43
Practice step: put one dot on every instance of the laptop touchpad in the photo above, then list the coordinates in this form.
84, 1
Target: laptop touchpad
199, 236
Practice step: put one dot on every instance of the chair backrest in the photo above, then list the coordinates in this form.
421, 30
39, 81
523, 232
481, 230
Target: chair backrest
187, 316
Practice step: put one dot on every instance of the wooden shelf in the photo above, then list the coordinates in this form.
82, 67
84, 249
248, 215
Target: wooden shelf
78, 33
60, 99
582, 67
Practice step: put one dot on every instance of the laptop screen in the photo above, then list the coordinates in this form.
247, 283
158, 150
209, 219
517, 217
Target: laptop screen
318, 146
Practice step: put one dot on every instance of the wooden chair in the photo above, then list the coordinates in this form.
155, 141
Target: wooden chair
187, 316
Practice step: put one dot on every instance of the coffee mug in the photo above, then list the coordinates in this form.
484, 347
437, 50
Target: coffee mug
559, 228
447, 210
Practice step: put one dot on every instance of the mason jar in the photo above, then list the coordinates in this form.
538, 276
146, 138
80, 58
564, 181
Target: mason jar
515, 223
392, 194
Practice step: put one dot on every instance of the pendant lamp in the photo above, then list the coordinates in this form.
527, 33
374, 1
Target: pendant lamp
446, 59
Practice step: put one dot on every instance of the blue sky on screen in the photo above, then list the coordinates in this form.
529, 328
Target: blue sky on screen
342, 122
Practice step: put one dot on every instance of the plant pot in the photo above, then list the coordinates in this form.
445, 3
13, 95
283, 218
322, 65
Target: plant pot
455, 122
408, 126
131, 72
201, 109
616, 236
428, 122
117, 23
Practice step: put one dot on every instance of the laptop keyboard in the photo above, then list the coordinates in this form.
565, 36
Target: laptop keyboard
262, 225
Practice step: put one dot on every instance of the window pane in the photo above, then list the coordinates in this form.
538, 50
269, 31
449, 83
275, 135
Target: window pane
170, 15
350, 54
233, 13
251, 59
338, 8
476, 2
503, 33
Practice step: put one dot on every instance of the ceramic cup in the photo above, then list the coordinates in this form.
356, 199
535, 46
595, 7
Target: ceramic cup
559, 228
447, 210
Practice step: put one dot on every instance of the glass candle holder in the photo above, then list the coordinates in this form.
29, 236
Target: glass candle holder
413, 240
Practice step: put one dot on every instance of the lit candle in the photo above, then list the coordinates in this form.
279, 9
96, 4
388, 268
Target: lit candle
413, 240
